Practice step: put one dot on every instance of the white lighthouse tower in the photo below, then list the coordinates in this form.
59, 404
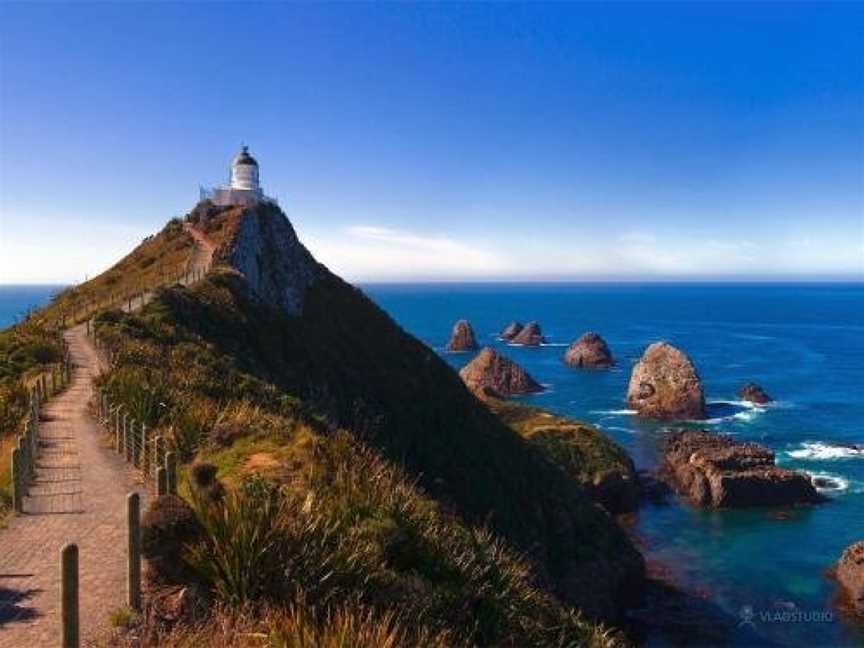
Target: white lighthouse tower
243, 187
244, 171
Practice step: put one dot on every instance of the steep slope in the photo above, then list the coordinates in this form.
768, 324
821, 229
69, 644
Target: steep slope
271, 315
321, 339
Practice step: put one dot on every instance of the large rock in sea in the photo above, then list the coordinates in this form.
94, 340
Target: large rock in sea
754, 393
589, 351
715, 471
664, 384
530, 335
850, 576
462, 338
511, 331
492, 373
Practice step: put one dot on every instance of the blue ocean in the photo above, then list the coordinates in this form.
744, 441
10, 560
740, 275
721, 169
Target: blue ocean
803, 343
764, 570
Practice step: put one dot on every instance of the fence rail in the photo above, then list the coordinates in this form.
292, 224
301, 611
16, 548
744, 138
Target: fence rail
41, 387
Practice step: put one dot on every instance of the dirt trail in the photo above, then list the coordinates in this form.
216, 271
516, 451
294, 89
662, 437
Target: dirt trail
78, 495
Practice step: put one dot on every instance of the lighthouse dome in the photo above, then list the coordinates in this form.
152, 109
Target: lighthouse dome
244, 171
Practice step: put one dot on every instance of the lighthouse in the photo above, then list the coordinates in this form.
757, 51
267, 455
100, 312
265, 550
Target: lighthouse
243, 186
244, 171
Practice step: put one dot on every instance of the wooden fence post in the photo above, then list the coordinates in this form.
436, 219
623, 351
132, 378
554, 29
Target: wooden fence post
117, 428
145, 456
136, 448
25, 462
17, 495
129, 438
158, 450
133, 556
69, 595
171, 473
161, 481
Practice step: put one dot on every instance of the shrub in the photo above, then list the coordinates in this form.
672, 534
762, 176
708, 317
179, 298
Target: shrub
238, 555
168, 526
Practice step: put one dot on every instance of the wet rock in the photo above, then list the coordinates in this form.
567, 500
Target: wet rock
715, 471
494, 374
589, 351
530, 335
511, 331
850, 576
754, 393
462, 338
664, 384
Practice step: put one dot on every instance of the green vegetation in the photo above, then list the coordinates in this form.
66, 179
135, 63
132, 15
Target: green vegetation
123, 618
26, 349
310, 512
155, 262
581, 449
355, 476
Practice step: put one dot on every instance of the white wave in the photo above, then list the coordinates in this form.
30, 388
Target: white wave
618, 412
825, 451
737, 403
830, 483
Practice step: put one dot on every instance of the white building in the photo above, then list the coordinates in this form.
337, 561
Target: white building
243, 187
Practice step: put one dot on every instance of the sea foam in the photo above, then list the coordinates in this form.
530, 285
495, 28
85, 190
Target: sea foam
819, 451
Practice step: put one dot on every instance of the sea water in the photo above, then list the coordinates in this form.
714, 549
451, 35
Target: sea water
803, 343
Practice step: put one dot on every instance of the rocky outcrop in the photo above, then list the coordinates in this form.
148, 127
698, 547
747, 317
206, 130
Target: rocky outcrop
491, 373
850, 576
265, 249
589, 351
754, 393
664, 384
511, 331
462, 338
715, 471
601, 466
530, 335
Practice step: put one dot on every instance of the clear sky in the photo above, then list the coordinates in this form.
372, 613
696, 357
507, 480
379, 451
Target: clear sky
481, 141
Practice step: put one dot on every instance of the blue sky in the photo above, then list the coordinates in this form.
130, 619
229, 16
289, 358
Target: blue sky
481, 141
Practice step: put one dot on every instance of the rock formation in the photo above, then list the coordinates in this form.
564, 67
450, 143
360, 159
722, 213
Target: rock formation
530, 335
511, 331
462, 338
589, 351
850, 576
714, 471
664, 384
265, 249
754, 393
492, 373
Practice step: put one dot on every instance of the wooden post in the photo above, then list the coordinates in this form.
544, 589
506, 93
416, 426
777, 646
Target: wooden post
17, 495
161, 481
25, 462
145, 456
117, 436
133, 556
171, 473
69, 595
158, 450
128, 437
136, 449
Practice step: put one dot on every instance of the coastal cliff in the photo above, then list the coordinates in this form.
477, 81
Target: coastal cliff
273, 366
